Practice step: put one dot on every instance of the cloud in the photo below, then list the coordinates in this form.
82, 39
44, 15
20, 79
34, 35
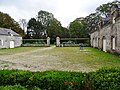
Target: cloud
64, 10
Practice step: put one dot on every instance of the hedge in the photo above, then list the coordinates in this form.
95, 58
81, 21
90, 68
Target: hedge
102, 79
106, 79
15, 87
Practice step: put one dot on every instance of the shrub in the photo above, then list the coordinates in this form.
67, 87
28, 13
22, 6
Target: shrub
36, 88
87, 82
15, 87
54, 80
103, 79
12, 77
106, 79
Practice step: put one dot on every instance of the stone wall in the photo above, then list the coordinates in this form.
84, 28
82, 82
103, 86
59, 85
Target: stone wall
5, 41
107, 33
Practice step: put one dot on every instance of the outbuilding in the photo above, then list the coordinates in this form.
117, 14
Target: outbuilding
107, 36
9, 38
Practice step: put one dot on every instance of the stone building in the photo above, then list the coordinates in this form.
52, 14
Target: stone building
9, 38
107, 37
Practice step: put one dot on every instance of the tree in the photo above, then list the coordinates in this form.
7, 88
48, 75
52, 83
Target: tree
44, 25
23, 23
100, 17
78, 29
92, 21
54, 28
105, 9
7, 22
45, 18
64, 32
34, 29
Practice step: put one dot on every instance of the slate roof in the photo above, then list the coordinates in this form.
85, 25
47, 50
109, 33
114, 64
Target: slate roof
7, 32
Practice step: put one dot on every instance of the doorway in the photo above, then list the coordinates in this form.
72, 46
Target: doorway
104, 44
12, 45
113, 43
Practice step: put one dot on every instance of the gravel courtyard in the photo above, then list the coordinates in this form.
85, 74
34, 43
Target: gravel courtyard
54, 58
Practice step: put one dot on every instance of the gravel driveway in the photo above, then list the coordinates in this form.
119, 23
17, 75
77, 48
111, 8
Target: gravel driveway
34, 60
41, 59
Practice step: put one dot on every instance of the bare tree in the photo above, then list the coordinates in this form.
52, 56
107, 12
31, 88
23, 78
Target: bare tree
23, 24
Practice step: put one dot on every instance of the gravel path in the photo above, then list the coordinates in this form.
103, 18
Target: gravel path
34, 60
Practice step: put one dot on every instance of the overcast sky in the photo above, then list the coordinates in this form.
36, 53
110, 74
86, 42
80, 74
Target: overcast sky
64, 10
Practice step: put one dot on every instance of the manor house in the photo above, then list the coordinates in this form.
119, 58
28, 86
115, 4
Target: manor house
107, 36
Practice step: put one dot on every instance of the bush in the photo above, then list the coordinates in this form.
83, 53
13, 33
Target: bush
54, 80
15, 87
103, 79
13, 77
106, 79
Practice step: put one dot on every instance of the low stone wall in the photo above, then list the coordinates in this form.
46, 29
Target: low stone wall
35, 45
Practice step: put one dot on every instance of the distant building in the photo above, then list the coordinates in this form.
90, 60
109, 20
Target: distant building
9, 38
107, 37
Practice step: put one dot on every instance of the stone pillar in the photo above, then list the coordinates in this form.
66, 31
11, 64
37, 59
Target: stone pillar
48, 41
57, 41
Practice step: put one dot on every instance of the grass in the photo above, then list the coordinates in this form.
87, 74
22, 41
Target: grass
89, 58
10, 51
61, 58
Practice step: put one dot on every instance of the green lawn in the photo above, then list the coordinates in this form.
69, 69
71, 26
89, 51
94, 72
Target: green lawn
57, 58
10, 51
89, 58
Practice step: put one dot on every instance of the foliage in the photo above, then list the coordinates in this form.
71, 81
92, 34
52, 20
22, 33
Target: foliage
78, 29
69, 85
34, 41
14, 77
106, 79
101, 17
52, 80
55, 79
35, 29
54, 29
7, 22
15, 87
65, 32
103, 79
105, 9
44, 17
44, 25
68, 42
92, 22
